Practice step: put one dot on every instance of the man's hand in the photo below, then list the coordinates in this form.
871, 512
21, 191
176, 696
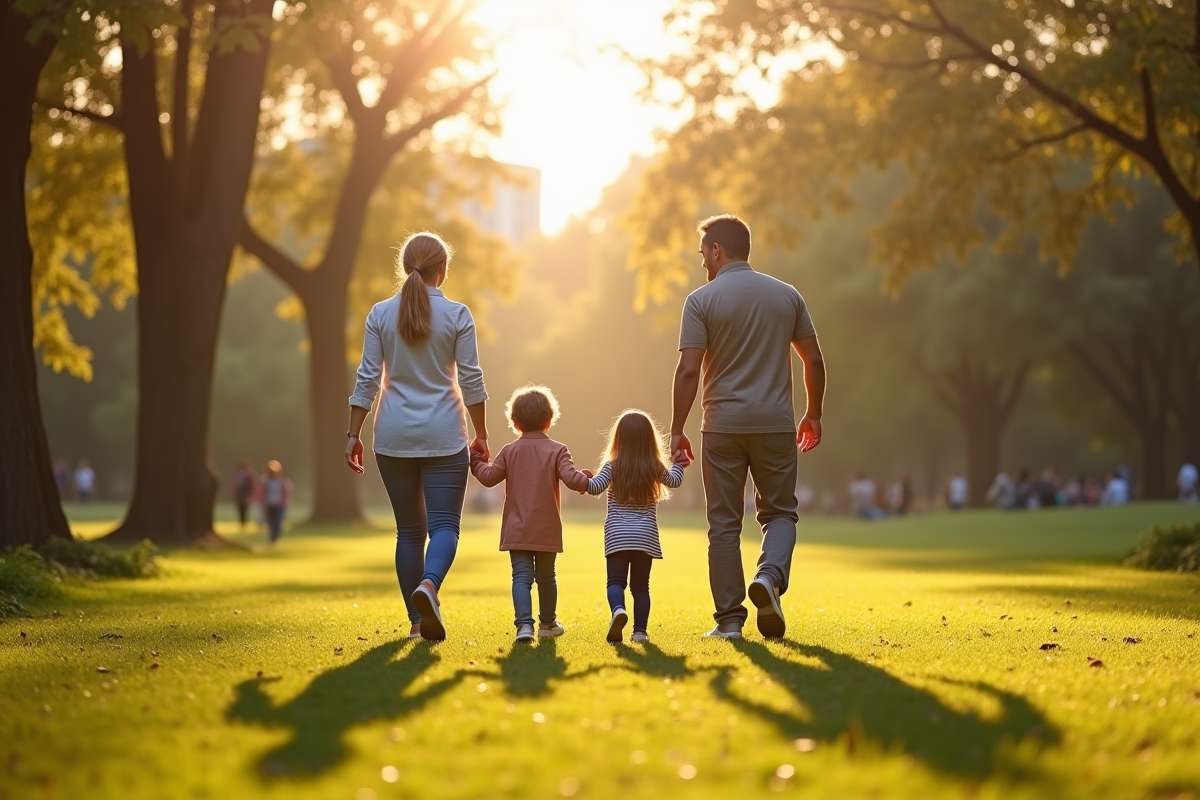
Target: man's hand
480, 446
680, 444
808, 434
587, 472
354, 454
681, 457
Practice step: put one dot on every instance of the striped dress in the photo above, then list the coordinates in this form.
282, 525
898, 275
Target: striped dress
631, 527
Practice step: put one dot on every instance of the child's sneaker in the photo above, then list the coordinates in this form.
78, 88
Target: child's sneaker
619, 618
639, 636
554, 629
525, 633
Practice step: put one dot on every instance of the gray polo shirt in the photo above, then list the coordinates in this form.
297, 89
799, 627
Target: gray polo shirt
426, 386
745, 322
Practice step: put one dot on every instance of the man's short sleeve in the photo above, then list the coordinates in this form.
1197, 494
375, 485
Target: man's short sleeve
692, 330
804, 323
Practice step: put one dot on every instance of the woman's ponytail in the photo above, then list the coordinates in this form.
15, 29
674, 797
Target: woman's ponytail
421, 256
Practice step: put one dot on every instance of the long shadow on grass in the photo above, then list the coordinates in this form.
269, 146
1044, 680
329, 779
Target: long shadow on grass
370, 688
651, 660
529, 670
859, 704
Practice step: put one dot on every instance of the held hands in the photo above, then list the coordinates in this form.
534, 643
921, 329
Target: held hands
808, 435
354, 454
680, 443
682, 457
589, 475
480, 447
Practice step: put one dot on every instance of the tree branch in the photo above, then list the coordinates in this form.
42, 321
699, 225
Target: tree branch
392, 144
288, 271
409, 57
1025, 145
343, 80
916, 64
887, 16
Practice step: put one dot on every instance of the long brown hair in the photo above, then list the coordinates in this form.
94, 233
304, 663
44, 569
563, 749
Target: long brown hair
635, 450
423, 253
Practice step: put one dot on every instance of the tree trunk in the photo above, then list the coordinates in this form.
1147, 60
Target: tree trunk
983, 402
336, 493
187, 216
30, 508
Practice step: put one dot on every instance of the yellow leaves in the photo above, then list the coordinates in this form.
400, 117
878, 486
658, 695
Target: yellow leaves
59, 349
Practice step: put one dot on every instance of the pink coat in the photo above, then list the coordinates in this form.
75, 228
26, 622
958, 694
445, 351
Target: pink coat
532, 467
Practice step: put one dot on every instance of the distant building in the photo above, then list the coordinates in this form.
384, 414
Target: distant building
513, 208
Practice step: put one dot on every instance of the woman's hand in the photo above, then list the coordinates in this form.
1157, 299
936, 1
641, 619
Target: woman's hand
354, 454
480, 446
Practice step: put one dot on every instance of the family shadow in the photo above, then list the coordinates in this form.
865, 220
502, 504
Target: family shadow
861, 705
531, 670
375, 686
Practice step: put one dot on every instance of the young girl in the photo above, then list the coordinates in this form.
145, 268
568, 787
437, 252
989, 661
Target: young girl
531, 525
636, 476
276, 493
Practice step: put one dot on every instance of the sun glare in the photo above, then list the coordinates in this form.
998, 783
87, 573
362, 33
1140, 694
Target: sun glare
569, 94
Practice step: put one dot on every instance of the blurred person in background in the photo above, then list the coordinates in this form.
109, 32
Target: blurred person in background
805, 496
861, 495
1116, 490
1003, 492
243, 489
1047, 488
62, 478
1186, 482
1071, 494
275, 491
957, 489
1089, 492
899, 499
85, 481
1026, 496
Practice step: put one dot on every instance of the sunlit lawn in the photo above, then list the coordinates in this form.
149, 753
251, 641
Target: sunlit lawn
912, 668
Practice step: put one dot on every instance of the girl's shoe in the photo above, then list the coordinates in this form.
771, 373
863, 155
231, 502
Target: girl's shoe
556, 629
525, 633
619, 618
639, 636
426, 600
415, 631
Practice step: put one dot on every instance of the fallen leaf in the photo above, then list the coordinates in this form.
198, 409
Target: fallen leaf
1053, 629
337, 651
1049, 646
102, 669
983, 632
154, 665
362, 638
258, 674
153, 652
1132, 639
907, 603
1067, 603
111, 636
22, 634
1094, 662
1004, 616
217, 638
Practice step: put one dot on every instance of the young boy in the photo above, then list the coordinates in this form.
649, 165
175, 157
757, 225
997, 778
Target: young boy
531, 524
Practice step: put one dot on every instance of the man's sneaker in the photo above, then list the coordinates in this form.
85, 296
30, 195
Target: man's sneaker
770, 614
619, 618
554, 630
639, 636
525, 633
729, 629
426, 600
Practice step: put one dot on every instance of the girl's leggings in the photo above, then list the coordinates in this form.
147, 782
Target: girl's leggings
632, 568
427, 498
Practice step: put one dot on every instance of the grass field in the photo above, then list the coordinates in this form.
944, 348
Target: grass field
912, 668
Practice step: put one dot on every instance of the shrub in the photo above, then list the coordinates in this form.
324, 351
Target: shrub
93, 559
1175, 548
24, 573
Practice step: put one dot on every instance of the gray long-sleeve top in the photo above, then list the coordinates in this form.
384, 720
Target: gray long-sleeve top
426, 385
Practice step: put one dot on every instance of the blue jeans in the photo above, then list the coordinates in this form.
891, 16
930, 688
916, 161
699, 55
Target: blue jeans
274, 516
529, 566
427, 498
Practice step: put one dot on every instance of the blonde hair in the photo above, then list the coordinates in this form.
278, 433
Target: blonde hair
635, 450
423, 253
531, 408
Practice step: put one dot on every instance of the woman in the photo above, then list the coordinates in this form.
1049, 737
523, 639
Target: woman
276, 493
420, 349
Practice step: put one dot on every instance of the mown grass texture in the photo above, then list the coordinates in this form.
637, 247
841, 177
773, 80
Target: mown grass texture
912, 668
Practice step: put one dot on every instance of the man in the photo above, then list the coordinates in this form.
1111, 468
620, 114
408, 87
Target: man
739, 330
85, 481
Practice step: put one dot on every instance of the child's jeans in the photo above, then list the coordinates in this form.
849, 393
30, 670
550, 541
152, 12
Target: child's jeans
632, 567
528, 567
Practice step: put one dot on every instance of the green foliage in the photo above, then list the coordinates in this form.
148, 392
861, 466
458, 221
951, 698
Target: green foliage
24, 574
1173, 548
1034, 111
96, 560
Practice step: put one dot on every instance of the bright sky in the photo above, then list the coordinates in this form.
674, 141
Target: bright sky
570, 104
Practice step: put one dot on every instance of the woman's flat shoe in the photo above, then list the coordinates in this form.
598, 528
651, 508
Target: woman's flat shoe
426, 600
